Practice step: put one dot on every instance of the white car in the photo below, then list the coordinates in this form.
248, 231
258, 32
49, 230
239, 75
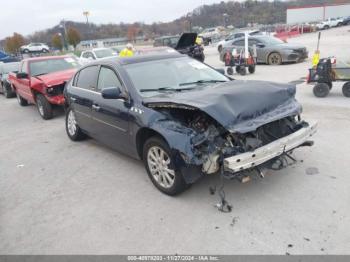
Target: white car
331, 22
96, 54
35, 47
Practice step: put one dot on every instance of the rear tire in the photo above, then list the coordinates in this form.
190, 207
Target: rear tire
164, 176
73, 130
21, 101
326, 27
44, 107
321, 90
251, 69
346, 89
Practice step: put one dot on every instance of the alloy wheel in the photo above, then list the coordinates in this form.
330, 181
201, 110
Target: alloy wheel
71, 123
159, 166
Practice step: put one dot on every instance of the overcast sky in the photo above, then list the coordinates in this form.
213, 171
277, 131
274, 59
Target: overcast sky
27, 16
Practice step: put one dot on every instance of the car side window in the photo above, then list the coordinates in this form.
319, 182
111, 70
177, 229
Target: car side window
107, 78
87, 78
252, 42
238, 43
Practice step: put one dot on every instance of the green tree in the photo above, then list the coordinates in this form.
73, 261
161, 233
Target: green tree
13, 43
73, 36
57, 41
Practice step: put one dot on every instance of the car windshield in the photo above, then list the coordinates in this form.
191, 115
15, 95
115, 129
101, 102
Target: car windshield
101, 53
272, 41
42, 67
171, 75
10, 67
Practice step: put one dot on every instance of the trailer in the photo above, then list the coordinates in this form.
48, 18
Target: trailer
325, 73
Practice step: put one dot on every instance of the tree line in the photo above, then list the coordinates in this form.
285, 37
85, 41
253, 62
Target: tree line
235, 13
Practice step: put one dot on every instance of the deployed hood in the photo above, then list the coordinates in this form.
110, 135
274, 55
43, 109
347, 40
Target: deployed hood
186, 40
239, 106
56, 78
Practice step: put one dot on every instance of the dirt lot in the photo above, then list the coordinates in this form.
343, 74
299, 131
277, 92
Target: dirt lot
60, 197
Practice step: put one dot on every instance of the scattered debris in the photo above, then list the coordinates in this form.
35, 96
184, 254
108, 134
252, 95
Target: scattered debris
290, 245
234, 221
20, 166
217, 227
312, 171
306, 239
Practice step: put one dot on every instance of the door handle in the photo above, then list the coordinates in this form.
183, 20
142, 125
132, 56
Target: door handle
96, 107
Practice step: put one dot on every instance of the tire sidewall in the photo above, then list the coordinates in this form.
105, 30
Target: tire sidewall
46, 106
346, 89
321, 90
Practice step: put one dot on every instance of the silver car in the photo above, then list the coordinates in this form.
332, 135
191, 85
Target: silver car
270, 50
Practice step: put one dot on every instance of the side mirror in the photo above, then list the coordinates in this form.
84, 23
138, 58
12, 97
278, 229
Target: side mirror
112, 93
220, 70
22, 75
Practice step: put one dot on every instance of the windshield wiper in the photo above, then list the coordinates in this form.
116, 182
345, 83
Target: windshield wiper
162, 89
202, 82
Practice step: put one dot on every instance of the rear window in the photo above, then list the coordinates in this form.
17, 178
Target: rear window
43, 67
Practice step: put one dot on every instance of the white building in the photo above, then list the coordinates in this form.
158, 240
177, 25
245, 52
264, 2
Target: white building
296, 15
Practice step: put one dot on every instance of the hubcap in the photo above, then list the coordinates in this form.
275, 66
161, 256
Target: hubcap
158, 164
40, 107
71, 123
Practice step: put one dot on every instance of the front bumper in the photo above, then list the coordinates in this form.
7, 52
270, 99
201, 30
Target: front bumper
265, 153
56, 100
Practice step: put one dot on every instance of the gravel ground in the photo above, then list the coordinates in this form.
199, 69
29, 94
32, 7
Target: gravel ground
60, 197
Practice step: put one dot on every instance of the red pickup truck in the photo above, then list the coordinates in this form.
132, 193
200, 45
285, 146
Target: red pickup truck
41, 81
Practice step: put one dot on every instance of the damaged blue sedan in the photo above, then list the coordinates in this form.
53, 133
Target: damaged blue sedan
184, 119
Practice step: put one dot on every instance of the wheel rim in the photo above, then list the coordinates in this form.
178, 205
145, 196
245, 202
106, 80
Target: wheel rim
275, 59
40, 107
158, 164
71, 123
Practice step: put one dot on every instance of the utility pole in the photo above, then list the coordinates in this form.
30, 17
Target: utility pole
86, 14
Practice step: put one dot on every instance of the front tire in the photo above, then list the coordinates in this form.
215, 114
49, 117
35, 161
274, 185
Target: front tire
44, 107
346, 89
160, 167
21, 101
321, 90
73, 130
274, 59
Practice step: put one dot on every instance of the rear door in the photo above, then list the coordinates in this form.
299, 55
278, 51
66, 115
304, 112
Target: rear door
111, 116
82, 94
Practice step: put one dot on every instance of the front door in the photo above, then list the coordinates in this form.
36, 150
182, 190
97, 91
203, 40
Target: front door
111, 116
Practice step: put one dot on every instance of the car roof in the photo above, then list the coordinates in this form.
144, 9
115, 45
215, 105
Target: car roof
140, 58
41, 58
